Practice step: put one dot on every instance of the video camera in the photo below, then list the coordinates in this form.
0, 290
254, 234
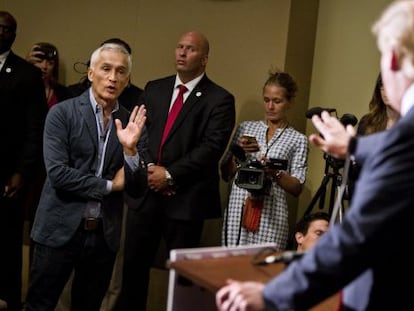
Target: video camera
251, 173
346, 119
45, 52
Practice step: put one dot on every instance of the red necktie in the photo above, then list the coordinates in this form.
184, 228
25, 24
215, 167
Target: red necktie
172, 115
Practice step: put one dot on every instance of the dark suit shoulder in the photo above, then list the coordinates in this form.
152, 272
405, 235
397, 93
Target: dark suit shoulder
20, 65
80, 87
134, 89
62, 92
71, 102
161, 81
206, 82
129, 96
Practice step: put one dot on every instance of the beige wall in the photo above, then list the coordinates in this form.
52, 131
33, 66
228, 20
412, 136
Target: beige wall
345, 68
325, 44
246, 37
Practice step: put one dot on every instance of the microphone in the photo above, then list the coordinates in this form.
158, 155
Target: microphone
286, 257
238, 152
348, 118
317, 110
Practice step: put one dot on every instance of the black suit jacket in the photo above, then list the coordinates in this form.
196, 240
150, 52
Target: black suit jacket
23, 107
193, 147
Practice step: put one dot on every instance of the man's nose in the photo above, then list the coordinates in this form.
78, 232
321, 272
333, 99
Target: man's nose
112, 75
182, 51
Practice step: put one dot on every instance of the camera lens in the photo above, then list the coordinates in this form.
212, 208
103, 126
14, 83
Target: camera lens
252, 179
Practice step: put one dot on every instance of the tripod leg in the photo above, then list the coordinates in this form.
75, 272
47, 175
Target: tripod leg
319, 195
337, 210
334, 187
337, 207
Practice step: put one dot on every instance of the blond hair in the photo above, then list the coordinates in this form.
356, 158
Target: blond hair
395, 29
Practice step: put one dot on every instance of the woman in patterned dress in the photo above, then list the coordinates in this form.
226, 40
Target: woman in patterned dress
254, 217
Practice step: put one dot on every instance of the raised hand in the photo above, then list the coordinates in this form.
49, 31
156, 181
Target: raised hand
130, 135
334, 137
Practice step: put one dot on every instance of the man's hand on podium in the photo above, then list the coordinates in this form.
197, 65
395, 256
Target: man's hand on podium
240, 296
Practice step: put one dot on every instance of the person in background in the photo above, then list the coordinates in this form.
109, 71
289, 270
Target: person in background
373, 233
183, 175
90, 154
254, 217
23, 106
45, 56
309, 229
381, 115
128, 98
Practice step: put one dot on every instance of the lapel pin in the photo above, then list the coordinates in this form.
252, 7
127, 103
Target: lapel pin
198, 94
8, 69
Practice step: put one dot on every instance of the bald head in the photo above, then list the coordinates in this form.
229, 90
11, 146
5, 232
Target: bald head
191, 55
200, 39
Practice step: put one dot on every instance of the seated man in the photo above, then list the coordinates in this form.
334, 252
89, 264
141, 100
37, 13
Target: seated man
309, 229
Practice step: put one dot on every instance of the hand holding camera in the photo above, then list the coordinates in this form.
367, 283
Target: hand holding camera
274, 167
38, 54
253, 174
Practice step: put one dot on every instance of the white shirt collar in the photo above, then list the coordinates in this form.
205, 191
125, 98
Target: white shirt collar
3, 58
94, 103
407, 100
189, 85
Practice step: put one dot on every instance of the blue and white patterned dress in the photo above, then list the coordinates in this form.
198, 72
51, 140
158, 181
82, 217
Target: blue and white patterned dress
286, 143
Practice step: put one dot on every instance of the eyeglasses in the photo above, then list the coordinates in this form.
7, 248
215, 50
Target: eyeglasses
7, 28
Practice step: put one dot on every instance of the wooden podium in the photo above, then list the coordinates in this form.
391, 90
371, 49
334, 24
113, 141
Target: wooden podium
196, 275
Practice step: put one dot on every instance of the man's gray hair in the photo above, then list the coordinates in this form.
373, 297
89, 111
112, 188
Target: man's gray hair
107, 47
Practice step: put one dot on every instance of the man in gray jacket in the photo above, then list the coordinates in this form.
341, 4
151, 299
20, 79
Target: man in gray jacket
91, 156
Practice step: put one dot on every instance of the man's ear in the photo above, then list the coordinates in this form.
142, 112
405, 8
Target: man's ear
395, 65
299, 238
90, 74
204, 60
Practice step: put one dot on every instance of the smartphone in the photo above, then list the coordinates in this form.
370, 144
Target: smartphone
251, 139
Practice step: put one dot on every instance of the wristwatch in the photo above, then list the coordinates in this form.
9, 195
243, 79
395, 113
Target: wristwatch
168, 178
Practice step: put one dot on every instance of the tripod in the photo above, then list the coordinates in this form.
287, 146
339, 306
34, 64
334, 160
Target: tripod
331, 173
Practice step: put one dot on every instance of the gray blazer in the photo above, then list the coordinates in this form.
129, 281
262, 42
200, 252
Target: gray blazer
70, 153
